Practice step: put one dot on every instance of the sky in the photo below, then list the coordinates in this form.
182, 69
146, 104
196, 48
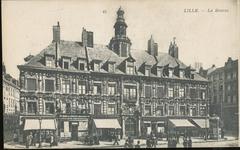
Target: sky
207, 37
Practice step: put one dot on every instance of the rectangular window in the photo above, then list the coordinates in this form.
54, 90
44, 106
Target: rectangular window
182, 110
81, 87
66, 64
170, 73
32, 107
203, 94
66, 86
49, 108
202, 111
68, 108
193, 111
111, 67
81, 66
96, 66
159, 111
49, 85
160, 92
181, 92
181, 74
171, 111
49, 61
147, 91
31, 85
147, 72
97, 109
129, 92
170, 92
229, 87
111, 89
130, 70
97, 89
148, 110
111, 109
193, 93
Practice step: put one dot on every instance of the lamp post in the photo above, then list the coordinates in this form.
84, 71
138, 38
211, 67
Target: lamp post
40, 138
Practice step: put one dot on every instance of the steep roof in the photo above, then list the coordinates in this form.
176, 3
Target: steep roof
74, 50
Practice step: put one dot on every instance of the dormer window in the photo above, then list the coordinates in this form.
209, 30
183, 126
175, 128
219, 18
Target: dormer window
81, 64
111, 67
96, 66
181, 74
49, 61
66, 63
130, 68
170, 73
159, 72
147, 72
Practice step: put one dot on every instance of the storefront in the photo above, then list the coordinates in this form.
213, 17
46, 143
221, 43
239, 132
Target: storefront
105, 129
154, 125
202, 127
180, 127
73, 127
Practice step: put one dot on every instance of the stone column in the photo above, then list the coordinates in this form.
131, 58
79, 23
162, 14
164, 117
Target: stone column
123, 128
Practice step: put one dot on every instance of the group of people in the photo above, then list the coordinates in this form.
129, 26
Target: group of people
32, 139
187, 142
129, 143
151, 141
172, 142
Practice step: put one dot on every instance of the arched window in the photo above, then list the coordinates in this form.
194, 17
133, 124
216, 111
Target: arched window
130, 127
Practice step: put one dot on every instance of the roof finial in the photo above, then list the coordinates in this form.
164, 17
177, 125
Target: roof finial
58, 23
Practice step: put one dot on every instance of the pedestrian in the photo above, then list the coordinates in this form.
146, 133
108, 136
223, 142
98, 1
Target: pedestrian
174, 143
30, 139
138, 144
222, 133
185, 142
27, 141
148, 143
15, 138
189, 142
34, 139
126, 145
115, 140
154, 142
51, 140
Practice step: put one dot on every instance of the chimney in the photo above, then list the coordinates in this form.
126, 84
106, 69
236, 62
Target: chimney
152, 47
173, 49
56, 33
87, 38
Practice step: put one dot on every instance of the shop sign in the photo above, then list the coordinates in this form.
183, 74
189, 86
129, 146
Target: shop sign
83, 125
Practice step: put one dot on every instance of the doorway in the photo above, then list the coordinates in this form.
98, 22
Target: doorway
74, 132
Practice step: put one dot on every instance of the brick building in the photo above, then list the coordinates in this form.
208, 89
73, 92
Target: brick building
84, 87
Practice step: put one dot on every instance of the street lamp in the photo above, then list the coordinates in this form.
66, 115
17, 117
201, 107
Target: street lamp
40, 140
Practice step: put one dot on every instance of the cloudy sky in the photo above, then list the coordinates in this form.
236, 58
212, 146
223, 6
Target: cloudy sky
207, 37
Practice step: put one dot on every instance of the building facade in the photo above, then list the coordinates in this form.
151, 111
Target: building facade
11, 93
224, 94
82, 85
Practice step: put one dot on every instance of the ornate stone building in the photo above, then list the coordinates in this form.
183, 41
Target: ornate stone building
86, 87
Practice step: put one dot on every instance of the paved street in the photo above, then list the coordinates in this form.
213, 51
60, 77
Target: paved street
229, 142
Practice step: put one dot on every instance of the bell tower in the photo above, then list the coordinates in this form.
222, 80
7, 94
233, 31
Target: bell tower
173, 49
120, 43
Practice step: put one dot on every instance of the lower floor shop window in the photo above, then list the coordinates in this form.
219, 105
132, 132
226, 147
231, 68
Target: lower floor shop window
130, 127
32, 107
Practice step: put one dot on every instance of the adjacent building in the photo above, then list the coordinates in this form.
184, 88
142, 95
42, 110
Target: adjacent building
11, 92
78, 87
224, 93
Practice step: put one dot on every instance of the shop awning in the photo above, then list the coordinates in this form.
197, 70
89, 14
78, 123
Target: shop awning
201, 123
107, 124
34, 124
48, 124
181, 123
31, 124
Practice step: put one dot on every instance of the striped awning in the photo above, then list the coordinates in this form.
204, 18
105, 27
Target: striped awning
201, 123
107, 124
35, 124
178, 123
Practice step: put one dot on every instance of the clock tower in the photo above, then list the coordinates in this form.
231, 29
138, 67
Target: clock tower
120, 43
